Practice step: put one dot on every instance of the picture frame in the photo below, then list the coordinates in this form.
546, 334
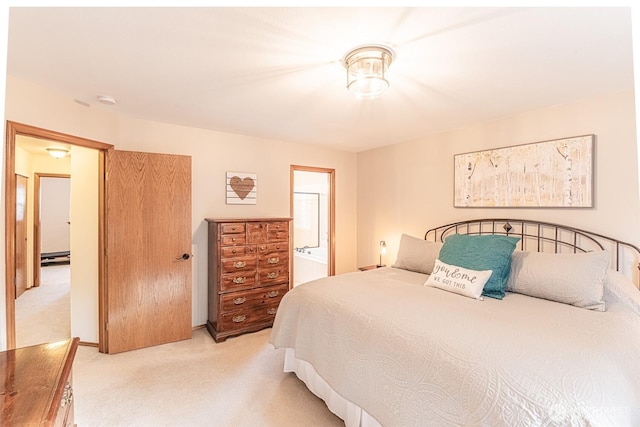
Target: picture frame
557, 173
242, 188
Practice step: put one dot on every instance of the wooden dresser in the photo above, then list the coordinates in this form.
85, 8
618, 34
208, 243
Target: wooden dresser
37, 388
248, 273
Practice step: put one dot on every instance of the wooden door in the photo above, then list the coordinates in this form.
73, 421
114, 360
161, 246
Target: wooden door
148, 247
21, 235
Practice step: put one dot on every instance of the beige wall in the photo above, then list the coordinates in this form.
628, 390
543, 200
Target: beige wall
213, 153
404, 188
54, 214
408, 188
84, 243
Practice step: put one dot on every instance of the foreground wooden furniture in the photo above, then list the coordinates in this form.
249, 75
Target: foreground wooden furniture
37, 388
248, 274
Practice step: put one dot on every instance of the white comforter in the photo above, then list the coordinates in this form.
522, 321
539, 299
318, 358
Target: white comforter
411, 355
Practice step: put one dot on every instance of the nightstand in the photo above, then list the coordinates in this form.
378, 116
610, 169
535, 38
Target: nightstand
369, 267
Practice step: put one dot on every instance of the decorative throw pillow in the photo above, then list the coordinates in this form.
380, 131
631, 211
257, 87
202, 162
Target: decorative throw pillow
417, 254
575, 279
482, 252
458, 280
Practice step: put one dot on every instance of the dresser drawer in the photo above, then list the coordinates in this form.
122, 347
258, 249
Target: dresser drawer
273, 275
278, 231
273, 259
257, 232
232, 227
262, 315
239, 280
233, 239
253, 298
237, 251
230, 265
273, 247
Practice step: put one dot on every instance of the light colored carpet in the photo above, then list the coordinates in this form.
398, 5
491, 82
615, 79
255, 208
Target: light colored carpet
196, 382
42, 313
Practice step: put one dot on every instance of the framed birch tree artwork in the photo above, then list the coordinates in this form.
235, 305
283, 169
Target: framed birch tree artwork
556, 173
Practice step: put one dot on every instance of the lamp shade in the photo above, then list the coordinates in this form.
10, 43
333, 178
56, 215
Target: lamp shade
57, 153
383, 251
367, 70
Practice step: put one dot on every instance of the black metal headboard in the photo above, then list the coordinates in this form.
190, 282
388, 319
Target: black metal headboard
548, 237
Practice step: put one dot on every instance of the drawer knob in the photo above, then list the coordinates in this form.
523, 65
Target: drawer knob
273, 294
238, 301
273, 260
233, 239
272, 311
272, 275
239, 280
240, 264
239, 319
233, 251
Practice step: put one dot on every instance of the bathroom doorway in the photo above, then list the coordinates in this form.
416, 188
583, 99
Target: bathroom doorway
313, 213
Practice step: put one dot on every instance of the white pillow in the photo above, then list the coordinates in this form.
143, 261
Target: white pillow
417, 254
619, 289
458, 280
575, 279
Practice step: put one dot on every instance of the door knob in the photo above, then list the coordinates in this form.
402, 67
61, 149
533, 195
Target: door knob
184, 257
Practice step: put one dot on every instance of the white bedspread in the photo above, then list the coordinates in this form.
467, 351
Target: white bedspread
411, 355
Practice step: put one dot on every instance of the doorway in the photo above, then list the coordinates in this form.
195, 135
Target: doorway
313, 213
95, 312
43, 314
51, 222
14, 132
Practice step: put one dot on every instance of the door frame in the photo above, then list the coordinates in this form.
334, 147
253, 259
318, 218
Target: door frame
37, 236
14, 129
331, 258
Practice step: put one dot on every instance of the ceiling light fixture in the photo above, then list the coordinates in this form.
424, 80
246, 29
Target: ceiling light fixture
367, 70
57, 153
107, 100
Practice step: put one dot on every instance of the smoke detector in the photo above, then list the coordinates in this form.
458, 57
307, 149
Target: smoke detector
107, 100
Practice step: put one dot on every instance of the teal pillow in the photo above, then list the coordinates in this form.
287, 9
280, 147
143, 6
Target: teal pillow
482, 252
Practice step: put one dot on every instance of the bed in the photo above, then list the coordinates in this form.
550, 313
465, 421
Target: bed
389, 347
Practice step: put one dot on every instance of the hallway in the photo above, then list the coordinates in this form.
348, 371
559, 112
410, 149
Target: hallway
43, 312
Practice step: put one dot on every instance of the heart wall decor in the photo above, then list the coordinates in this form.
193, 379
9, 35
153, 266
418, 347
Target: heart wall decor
242, 188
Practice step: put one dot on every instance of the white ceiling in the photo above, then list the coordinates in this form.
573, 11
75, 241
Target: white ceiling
276, 73
38, 146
